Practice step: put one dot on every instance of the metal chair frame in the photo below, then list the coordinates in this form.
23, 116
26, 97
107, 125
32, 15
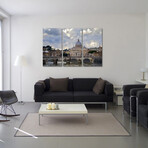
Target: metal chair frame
4, 109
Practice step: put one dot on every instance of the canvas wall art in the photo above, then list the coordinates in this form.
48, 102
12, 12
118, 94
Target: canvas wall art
52, 50
72, 47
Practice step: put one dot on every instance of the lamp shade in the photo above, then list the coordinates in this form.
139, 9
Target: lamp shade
143, 69
20, 61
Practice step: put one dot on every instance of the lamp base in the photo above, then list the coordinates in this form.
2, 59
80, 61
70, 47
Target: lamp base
143, 79
21, 102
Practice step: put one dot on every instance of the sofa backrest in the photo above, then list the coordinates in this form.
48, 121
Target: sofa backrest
70, 85
84, 84
47, 84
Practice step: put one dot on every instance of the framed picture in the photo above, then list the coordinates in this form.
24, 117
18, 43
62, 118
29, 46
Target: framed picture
72, 47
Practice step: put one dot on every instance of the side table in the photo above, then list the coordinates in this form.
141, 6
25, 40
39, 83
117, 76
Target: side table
118, 96
142, 81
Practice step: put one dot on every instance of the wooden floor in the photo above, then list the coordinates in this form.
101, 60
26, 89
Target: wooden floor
138, 138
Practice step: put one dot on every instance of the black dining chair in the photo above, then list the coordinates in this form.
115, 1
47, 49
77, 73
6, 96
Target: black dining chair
7, 98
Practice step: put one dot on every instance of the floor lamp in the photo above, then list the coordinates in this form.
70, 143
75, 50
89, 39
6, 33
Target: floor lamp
21, 62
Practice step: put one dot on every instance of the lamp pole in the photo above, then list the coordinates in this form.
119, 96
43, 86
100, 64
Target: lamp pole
20, 61
21, 85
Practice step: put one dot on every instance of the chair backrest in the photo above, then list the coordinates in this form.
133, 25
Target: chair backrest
8, 97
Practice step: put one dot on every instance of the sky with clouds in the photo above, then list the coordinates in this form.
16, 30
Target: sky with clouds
71, 36
92, 37
52, 37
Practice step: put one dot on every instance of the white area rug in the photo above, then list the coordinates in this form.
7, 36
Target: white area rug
99, 124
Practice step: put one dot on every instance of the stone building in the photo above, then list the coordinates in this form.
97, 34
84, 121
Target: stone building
76, 51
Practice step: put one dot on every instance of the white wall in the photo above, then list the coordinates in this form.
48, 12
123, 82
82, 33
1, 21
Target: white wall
146, 24
123, 48
6, 50
1, 56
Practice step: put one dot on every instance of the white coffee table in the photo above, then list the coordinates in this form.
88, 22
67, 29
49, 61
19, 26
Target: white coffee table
65, 109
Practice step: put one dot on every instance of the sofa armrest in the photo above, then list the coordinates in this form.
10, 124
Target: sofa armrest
108, 90
127, 88
39, 88
142, 96
133, 91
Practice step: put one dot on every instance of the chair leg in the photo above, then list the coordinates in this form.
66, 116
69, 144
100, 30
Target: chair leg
137, 114
2, 108
1, 113
5, 110
4, 120
123, 107
130, 107
10, 108
105, 106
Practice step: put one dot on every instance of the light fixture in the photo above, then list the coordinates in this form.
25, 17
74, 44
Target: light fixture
21, 62
143, 70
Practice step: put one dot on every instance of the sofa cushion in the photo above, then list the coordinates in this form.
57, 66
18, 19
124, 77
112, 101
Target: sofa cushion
126, 101
88, 96
84, 84
99, 86
47, 84
59, 84
143, 110
126, 105
58, 96
143, 115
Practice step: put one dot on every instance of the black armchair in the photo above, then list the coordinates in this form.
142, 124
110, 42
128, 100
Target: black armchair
142, 108
8, 98
129, 97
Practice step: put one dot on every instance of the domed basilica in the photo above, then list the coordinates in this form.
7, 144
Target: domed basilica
76, 51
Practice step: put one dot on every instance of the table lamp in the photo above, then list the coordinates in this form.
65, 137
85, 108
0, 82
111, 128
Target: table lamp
143, 70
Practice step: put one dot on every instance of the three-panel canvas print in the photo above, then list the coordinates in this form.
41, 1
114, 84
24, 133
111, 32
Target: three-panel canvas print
72, 47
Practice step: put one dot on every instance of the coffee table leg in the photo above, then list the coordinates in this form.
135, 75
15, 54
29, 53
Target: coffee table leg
86, 118
39, 119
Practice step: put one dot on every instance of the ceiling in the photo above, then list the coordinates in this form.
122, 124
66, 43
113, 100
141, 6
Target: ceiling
72, 7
